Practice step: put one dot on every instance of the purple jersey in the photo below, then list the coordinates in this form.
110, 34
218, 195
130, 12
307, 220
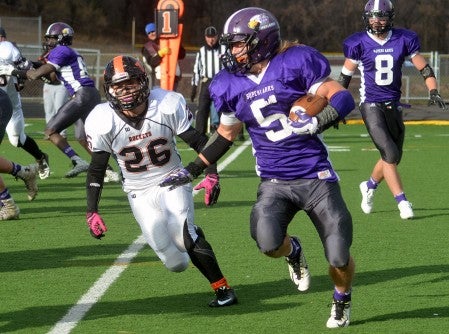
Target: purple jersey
380, 62
70, 68
264, 108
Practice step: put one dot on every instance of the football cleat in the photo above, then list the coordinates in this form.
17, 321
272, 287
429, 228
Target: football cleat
340, 314
299, 270
367, 198
9, 210
79, 166
223, 297
405, 210
43, 167
111, 176
28, 175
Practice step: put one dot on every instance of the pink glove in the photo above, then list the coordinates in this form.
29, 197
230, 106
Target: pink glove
96, 225
211, 185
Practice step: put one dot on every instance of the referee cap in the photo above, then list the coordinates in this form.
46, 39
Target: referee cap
210, 31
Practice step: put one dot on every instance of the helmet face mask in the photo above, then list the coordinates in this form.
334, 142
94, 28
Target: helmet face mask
250, 36
58, 33
126, 84
378, 16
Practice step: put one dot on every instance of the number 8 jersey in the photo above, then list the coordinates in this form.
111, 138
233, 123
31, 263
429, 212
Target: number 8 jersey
380, 62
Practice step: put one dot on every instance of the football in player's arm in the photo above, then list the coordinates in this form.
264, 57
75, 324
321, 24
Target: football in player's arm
262, 79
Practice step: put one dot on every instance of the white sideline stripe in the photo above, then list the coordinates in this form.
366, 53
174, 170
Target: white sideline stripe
85, 303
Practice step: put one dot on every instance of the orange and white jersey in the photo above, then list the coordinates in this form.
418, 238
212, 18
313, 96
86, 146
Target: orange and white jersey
145, 151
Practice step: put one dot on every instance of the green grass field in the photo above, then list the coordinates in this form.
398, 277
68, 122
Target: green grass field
49, 260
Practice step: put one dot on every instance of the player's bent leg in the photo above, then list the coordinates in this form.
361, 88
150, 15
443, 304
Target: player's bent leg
173, 259
297, 265
203, 257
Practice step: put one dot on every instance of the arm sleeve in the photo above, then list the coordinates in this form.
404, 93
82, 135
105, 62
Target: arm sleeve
197, 141
95, 178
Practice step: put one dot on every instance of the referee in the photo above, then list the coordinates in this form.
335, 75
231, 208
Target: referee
207, 64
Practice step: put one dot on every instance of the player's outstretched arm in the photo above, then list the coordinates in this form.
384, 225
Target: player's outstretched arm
214, 149
94, 186
211, 183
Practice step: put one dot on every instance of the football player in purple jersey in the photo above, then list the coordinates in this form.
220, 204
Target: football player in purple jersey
379, 53
72, 72
262, 78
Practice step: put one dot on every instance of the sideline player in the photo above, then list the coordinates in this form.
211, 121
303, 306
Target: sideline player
139, 129
15, 129
72, 71
379, 53
8, 208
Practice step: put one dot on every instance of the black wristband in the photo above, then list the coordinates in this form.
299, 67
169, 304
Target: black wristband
196, 168
344, 80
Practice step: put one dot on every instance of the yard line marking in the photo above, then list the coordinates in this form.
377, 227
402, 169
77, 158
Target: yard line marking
94, 294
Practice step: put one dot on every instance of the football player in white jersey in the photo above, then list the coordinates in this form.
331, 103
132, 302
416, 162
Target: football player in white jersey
8, 208
139, 128
11, 55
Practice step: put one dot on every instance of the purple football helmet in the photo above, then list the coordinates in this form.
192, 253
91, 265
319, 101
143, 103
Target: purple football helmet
258, 29
58, 33
378, 8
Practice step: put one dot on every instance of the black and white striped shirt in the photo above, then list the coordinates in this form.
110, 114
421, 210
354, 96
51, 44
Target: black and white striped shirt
207, 63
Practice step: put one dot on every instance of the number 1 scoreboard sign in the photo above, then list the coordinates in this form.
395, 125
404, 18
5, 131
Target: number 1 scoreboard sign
168, 15
167, 20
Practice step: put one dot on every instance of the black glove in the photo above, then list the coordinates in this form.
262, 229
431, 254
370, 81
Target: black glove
435, 98
337, 124
193, 94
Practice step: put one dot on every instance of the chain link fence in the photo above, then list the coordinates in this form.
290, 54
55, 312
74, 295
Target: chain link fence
19, 28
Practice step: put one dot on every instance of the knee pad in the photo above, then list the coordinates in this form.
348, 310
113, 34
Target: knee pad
393, 156
178, 265
175, 260
338, 255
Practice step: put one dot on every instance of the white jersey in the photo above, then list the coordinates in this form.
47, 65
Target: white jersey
10, 54
148, 153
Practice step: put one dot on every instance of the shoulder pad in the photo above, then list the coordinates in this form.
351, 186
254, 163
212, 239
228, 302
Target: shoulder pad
168, 101
100, 119
8, 52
